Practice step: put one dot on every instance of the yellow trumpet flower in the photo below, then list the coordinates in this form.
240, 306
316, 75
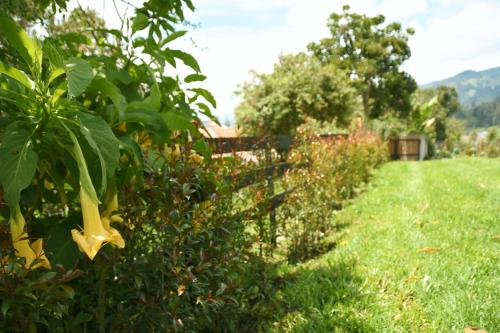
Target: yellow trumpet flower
30, 252
172, 154
107, 217
96, 232
111, 206
195, 158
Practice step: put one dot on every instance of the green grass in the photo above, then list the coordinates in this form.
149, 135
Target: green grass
378, 279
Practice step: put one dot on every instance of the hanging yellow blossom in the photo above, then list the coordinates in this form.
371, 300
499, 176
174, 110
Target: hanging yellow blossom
112, 206
95, 233
107, 217
195, 158
172, 154
31, 252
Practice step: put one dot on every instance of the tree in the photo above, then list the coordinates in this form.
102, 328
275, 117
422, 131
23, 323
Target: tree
372, 54
299, 87
80, 20
83, 23
482, 115
445, 103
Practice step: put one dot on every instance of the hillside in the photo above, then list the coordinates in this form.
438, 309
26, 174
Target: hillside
473, 87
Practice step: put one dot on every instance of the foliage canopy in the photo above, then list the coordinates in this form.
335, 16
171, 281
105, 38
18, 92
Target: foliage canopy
298, 88
371, 53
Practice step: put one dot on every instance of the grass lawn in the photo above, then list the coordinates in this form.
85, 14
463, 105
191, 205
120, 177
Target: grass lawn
417, 252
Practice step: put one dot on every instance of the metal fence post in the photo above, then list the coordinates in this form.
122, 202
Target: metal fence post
270, 194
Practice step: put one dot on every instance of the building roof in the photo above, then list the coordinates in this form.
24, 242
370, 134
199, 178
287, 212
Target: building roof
219, 131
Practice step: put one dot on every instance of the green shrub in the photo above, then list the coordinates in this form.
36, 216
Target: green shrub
334, 173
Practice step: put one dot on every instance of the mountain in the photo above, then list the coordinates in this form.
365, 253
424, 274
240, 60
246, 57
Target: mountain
473, 87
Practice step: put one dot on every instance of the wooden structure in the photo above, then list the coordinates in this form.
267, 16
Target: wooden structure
408, 148
269, 171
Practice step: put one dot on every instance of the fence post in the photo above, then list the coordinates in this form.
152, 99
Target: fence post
270, 193
419, 155
398, 152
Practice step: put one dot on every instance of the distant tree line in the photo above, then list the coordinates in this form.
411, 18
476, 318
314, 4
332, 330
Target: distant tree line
485, 114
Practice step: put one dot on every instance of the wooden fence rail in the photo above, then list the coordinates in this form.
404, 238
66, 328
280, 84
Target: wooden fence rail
268, 171
278, 142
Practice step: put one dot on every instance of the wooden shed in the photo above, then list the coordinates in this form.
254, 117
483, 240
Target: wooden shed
413, 147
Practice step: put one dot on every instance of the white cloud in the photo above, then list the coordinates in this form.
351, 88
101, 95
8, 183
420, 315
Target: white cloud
468, 39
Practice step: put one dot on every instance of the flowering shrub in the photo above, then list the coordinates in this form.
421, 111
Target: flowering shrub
181, 267
334, 173
113, 217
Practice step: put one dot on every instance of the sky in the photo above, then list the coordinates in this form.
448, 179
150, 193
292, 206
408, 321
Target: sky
233, 37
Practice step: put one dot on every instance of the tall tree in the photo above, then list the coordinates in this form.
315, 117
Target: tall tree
299, 87
443, 104
372, 53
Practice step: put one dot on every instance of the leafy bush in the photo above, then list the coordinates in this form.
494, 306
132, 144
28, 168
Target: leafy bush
334, 173
78, 128
184, 255
484, 143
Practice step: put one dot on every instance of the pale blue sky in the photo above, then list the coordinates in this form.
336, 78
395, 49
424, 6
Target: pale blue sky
236, 36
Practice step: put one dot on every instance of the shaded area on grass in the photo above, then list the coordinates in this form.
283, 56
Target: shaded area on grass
333, 287
416, 253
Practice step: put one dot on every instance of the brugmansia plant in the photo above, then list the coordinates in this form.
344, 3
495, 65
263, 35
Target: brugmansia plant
44, 123
32, 253
68, 132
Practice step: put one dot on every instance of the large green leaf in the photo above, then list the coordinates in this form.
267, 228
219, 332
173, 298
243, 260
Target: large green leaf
144, 113
202, 147
104, 143
58, 243
21, 101
140, 22
28, 48
173, 36
55, 56
195, 78
186, 58
205, 94
79, 74
177, 121
18, 161
60, 247
56, 60
111, 91
17, 75
154, 98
